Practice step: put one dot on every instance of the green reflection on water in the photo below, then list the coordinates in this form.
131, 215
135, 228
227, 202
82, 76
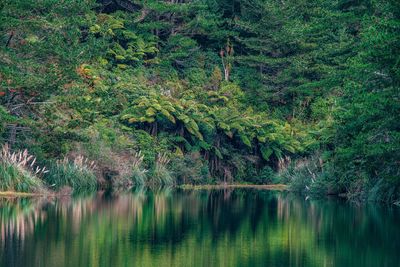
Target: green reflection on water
239, 227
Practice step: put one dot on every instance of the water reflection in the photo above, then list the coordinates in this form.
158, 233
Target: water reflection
239, 227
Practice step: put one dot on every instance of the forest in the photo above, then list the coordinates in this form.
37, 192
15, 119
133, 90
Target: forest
118, 93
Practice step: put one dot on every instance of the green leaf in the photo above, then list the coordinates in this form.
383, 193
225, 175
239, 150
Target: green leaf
151, 112
266, 152
245, 139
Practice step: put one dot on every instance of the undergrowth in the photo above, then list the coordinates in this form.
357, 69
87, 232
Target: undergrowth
19, 172
77, 173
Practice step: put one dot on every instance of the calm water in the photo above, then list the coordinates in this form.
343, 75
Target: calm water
197, 228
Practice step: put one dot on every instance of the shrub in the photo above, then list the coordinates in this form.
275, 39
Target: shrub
384, 191
190, 169
377, 190
5, 117
310, 176
267, 176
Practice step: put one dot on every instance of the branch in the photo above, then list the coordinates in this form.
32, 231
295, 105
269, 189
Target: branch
143, 15
9, 38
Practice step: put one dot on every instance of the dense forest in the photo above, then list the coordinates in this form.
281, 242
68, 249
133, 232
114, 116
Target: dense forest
146, 92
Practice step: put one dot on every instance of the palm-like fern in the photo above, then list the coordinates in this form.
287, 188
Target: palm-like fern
155, 108
126, 47
214, 130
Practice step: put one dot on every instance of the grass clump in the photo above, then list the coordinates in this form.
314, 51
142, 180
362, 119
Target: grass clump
18, 171
161, 174
139, 176
77, 173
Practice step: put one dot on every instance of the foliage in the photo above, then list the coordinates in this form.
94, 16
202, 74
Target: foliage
138, 173
160, 174
5, 117
310, 176
78, 173
367, 149
18, 171
266, 176
126, 47
190, 169
243, 85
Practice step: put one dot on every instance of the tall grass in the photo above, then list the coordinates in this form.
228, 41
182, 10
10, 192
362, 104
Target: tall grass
160, 174
18, 171
139, 176
77, 173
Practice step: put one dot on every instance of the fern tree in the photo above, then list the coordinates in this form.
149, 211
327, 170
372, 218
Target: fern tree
126, 47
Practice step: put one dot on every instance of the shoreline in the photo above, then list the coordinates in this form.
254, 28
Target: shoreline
277, 187
20, 194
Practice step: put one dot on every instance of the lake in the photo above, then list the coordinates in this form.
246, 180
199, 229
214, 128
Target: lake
235, 227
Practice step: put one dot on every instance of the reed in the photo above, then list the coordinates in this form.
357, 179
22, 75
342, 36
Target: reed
161, 175
19, 172
76, 173
139, 176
